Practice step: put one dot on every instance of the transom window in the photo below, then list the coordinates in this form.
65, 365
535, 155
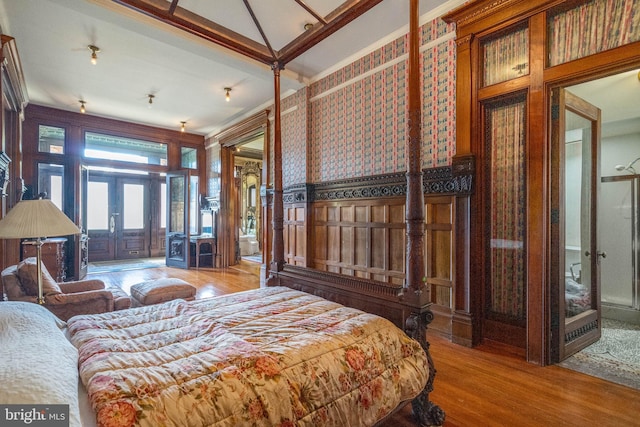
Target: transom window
107, 147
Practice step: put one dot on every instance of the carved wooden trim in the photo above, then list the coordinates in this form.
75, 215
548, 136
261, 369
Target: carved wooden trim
362, 286
231, 136
583, 330
13, 83
456, 179
4, 169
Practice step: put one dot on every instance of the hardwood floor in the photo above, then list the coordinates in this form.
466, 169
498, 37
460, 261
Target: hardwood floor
489, 385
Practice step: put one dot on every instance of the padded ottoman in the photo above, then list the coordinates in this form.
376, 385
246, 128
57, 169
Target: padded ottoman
120, 298
161, 290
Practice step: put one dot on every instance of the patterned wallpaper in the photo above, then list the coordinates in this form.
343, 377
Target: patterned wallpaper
293, 111
355, 117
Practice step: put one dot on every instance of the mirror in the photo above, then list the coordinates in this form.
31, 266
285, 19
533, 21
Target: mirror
250, 183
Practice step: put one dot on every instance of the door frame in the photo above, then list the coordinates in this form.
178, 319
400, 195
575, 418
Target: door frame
228, 223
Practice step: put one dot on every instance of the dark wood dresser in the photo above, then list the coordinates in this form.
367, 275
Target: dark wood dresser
53, 256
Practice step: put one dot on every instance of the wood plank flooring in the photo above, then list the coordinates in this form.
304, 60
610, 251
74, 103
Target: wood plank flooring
489, 385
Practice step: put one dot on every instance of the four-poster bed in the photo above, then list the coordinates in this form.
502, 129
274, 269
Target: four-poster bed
113, 348
407, 306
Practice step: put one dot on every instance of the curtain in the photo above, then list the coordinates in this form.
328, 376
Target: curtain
506, 148
592, 27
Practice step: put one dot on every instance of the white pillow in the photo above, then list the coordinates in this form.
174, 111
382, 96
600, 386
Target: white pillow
38, 365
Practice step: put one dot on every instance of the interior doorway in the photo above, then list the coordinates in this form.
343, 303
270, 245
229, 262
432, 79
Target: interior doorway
618, 207
248, 168
618, 214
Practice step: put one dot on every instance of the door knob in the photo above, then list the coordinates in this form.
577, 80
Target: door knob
602, 254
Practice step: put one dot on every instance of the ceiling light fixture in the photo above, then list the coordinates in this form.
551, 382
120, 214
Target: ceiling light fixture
227, 97
308, 26
94, 53
151, 99
182, 126
82, 109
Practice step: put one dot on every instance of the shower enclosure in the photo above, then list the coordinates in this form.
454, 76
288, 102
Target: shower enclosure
619, 226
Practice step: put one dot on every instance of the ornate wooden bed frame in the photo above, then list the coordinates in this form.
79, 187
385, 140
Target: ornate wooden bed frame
407, 306
407, 309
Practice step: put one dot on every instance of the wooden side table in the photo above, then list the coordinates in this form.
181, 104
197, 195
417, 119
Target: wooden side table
198, 241
53, 256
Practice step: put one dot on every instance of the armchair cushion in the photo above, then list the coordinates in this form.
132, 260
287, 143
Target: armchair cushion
81, 286
28, 277
66, 306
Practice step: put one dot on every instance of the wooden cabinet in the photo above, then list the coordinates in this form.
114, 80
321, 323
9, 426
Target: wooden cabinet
53, 256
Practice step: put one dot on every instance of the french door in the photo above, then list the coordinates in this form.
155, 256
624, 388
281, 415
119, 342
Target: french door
575, 137
183, 214
118, 219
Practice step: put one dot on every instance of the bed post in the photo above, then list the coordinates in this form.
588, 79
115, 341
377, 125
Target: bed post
416, 293
277, 256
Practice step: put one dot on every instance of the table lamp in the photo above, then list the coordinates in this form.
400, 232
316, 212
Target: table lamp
36, 219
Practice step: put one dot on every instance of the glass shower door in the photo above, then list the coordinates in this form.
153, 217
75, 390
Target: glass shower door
620, 219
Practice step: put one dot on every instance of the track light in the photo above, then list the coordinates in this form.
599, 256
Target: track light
151, 99
82, 109
227, 97
94, 53
182, 126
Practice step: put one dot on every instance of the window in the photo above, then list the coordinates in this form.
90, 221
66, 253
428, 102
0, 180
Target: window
50, 182
106, 147
189, 158
51, 139
506, 57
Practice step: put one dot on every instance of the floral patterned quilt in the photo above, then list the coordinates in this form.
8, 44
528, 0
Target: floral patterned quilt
266, 357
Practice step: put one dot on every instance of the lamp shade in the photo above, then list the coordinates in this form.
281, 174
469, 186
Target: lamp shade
34, 219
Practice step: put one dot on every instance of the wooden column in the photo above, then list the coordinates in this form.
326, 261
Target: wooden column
415, 269
277, 261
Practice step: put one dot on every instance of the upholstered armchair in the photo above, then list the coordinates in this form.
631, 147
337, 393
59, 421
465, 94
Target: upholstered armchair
65, 299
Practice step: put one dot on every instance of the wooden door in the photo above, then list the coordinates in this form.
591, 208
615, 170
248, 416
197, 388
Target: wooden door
132, 219
575, 139
177, 231
118, 221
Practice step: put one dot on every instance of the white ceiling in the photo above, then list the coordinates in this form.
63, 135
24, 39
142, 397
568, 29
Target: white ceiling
186, 74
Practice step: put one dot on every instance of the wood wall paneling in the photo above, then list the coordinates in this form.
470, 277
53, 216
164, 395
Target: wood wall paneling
475, 21
364, 237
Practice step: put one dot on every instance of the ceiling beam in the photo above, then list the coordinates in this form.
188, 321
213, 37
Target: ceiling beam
260, 30
337, 19
201, 27
311, 11
176, 16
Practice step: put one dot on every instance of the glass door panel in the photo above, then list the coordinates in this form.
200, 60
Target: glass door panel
131, 218
577, 169
101, 225
98, 200
177, 233
133, 206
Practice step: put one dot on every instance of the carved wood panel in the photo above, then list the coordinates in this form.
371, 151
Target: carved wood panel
362, 238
